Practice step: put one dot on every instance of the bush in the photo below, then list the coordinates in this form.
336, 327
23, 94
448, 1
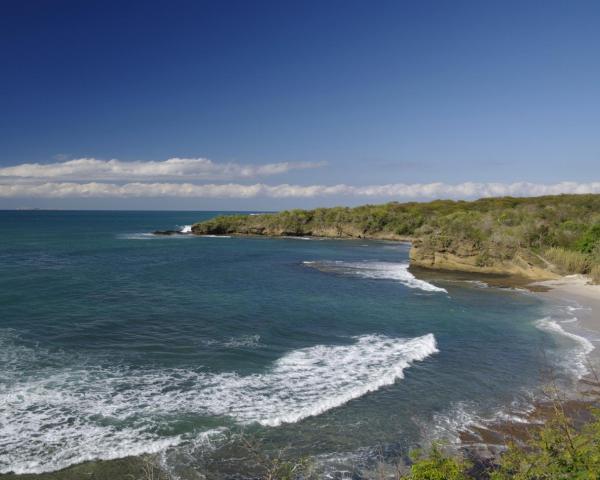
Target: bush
437, 466
590, 240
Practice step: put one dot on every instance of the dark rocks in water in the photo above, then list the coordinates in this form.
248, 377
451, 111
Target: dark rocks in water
168, 232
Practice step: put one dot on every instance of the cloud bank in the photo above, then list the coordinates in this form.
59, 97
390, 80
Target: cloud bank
184, 177
89, 169
234, 190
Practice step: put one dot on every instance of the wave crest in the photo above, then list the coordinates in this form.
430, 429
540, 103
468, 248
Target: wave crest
583, 346
376, 270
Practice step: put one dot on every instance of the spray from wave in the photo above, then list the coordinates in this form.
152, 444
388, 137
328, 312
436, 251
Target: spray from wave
60, 416
376, 270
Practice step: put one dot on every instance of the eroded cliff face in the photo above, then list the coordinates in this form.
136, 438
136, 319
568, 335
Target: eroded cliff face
467, 258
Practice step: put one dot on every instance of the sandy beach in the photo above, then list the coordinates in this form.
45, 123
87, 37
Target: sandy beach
579, 289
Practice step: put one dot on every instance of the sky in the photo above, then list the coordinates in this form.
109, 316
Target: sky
264, 105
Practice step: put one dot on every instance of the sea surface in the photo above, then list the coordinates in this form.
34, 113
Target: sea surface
116, 342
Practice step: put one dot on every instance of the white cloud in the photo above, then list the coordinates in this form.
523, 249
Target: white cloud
233, 190
90, 169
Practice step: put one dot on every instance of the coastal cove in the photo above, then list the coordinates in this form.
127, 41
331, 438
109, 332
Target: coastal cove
219, 326
315, 240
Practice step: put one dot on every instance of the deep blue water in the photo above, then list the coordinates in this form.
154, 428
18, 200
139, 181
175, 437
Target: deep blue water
116, 342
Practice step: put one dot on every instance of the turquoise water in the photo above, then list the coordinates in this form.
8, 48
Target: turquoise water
115, 342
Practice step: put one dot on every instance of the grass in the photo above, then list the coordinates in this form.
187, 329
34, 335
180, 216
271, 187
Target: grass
595, 273
569, 261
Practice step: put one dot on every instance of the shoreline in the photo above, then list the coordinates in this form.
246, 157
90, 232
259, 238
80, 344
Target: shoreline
579, 289
484, 443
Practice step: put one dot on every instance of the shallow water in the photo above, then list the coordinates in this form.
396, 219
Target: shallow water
115, 342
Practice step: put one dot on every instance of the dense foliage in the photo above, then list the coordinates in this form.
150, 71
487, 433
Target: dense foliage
563, 229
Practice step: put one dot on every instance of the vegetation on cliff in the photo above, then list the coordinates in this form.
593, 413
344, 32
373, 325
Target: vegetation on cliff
495, 235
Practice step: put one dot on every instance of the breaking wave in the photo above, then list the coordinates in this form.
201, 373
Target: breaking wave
136, 236
583, 346
59, 416
376, 270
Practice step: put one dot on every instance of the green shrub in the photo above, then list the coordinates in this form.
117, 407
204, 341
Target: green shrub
437, 466
590, 240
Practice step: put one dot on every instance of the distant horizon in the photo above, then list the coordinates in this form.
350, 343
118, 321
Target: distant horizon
34, 209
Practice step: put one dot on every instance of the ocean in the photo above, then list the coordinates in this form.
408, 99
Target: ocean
116, 342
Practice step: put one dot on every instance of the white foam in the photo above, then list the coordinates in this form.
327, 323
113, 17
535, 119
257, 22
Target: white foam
571, 308
467, 416
186, 229
243, 341
447, 426
136, 236
583, 346
150, 236
60, 416
377, 270
477, 283
570, 320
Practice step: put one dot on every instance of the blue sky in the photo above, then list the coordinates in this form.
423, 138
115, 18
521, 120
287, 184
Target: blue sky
266, 105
